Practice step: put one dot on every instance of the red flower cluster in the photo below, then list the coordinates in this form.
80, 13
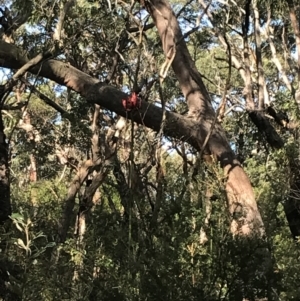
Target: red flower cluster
132, 102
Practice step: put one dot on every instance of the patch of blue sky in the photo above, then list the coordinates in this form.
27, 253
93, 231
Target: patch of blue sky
4, 75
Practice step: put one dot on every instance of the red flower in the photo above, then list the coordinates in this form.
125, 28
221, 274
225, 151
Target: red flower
131, 102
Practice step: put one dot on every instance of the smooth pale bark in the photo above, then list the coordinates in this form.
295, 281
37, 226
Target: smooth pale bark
258, 118
241, 200
192, 130
263, 95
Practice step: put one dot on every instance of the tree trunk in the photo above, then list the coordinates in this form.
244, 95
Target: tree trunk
241, 201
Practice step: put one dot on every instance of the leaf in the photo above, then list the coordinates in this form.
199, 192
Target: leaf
50, 245
18, 227
16, 216
21, 244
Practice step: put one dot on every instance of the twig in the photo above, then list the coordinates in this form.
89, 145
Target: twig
198, 22
46, 99
183, 8
33, 62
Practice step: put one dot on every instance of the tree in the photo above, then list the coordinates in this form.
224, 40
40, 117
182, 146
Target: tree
145, 180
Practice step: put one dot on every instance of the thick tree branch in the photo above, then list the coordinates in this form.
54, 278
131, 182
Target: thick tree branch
106, 96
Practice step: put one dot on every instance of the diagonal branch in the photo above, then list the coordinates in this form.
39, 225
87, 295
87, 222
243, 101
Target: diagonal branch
106, 96
46, 99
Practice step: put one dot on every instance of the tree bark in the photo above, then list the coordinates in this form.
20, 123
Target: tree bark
292, 204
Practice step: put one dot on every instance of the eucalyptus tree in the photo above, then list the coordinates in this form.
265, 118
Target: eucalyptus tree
88, 59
